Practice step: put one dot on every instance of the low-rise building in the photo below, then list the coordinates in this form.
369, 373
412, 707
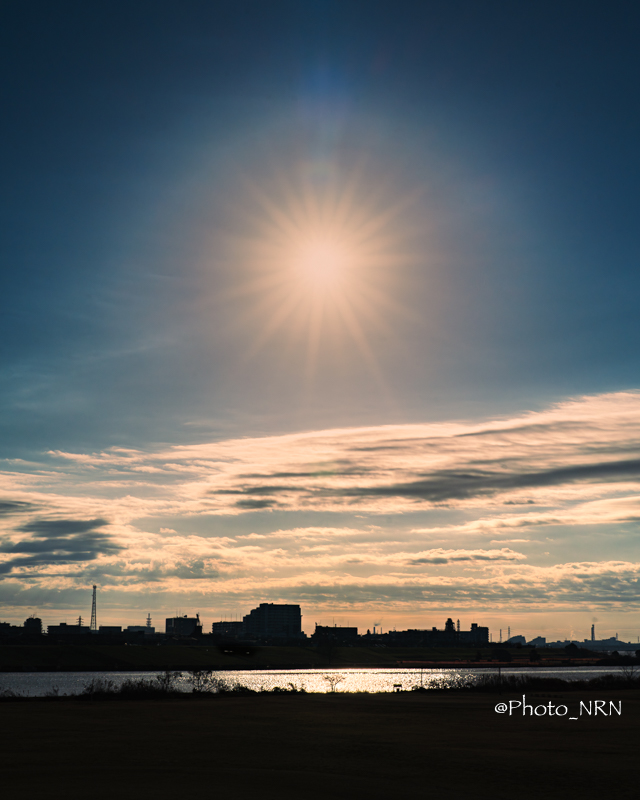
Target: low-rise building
477, 635
325, 634
110, 630
68, 630
147, 630
228, 630
183, 626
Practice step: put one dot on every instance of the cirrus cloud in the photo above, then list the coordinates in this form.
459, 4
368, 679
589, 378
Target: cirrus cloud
395, 515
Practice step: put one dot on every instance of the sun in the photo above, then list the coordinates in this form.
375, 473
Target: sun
324, 264
315, 263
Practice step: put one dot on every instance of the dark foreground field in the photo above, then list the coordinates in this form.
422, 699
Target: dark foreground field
444, 745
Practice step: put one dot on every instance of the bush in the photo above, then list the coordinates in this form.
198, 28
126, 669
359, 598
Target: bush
163, 685
167, 680
290, 689
205, 681
239, 688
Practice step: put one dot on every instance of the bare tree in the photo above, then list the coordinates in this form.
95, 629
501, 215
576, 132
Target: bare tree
167, 680
206, 680
630, 672
333, 680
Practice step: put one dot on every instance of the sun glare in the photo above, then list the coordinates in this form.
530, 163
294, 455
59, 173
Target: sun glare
316, 263
322, 263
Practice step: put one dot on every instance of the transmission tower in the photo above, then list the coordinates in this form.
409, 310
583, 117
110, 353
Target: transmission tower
94, 620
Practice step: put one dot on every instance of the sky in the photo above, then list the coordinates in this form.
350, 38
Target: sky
329, 303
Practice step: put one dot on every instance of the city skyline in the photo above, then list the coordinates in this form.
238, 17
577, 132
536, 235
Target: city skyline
504, 635
330, 304
334, 621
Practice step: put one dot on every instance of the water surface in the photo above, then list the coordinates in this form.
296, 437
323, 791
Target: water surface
39, 684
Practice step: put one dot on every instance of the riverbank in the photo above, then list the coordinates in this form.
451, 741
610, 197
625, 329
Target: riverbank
104, 658
318, 746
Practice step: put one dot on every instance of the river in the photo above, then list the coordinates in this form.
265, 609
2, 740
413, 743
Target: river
39, 684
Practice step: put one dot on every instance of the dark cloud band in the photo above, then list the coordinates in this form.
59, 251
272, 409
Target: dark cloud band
58, 542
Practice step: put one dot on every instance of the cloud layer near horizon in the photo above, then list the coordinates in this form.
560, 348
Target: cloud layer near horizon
539, 511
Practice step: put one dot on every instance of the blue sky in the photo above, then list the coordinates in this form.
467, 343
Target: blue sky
242, 222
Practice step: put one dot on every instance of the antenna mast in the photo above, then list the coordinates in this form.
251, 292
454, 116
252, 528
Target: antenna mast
94, 621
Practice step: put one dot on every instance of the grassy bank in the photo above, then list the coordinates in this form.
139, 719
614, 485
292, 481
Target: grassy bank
81, 657
316, 746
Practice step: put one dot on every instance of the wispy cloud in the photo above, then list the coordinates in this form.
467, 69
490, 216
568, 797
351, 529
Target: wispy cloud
570, 450
416, 504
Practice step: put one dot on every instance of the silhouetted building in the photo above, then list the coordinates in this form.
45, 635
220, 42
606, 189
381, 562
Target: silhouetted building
228, 630
110, 630
7, 629
409, 638
29, 633
33, 625
449, 637
478, 635
147, 630
183, 626
325, 634
68, 630
273, 621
